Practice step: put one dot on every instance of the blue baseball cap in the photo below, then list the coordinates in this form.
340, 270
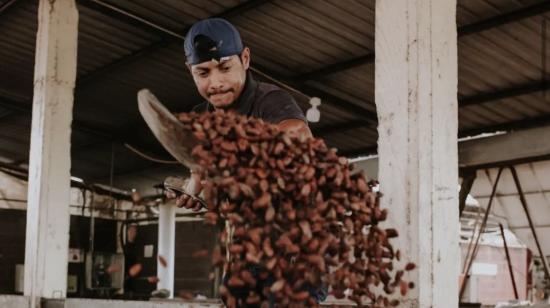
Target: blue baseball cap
212, 38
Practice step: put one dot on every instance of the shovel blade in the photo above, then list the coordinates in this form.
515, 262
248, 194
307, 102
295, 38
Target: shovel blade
170, 132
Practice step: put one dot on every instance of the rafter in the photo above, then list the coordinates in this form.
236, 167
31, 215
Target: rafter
336, 67
168, 37
503, 19
473, 28
9, 5
524, 89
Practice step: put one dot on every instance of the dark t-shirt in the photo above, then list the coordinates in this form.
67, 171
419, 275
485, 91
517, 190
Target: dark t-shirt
262, 100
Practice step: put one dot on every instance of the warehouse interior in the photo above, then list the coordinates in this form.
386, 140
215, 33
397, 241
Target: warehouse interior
310, 48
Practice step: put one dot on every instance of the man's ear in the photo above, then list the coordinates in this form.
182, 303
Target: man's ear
188, 66
245, 57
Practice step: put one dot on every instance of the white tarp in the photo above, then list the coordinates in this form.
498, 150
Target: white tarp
535, 182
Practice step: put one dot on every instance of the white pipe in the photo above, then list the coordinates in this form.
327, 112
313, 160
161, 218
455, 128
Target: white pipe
166, 247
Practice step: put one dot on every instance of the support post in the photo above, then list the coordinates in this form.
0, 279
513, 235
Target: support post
481, 230
510, 269
47, 233
531, 225
166, 249
416, 99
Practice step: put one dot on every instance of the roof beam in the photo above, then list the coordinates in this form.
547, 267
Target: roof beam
465, 30
78, 125
508, 126
116, 12
336, 67
366, 116
6, 113
502, 150
97, 74
26, 107
9, 5
478, 99
524, 124
338, 127
362, 151
169, 37
357, 110
519, 146
310, 91
503, 19
524, 89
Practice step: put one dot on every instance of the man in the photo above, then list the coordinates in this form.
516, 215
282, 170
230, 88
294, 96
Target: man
219, 64
131, 255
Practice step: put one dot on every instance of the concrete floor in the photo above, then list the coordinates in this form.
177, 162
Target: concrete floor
14, 301
23, 302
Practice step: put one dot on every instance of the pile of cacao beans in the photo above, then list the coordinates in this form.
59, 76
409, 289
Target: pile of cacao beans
299, 215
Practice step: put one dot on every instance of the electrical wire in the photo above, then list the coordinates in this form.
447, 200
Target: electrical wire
143, 155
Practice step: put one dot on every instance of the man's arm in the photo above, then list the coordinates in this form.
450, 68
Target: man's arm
295, 126
280, 108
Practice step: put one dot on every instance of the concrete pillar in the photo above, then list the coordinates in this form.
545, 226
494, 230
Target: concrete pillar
416, 99
166, 247
47, 234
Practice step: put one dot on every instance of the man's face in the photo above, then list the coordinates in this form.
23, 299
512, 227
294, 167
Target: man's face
222, 82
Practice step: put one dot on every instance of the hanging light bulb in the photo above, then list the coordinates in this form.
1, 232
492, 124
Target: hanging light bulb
313, 114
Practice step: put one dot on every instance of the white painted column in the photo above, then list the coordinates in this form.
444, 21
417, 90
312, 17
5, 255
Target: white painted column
166, 247
416, 99
47, 234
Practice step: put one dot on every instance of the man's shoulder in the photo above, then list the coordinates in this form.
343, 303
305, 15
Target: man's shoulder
270, 93
276, 104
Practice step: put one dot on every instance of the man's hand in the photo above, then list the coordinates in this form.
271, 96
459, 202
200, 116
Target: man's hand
295, 126
186, 194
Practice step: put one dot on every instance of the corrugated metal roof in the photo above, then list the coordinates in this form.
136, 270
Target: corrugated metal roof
290, 40
503, 57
